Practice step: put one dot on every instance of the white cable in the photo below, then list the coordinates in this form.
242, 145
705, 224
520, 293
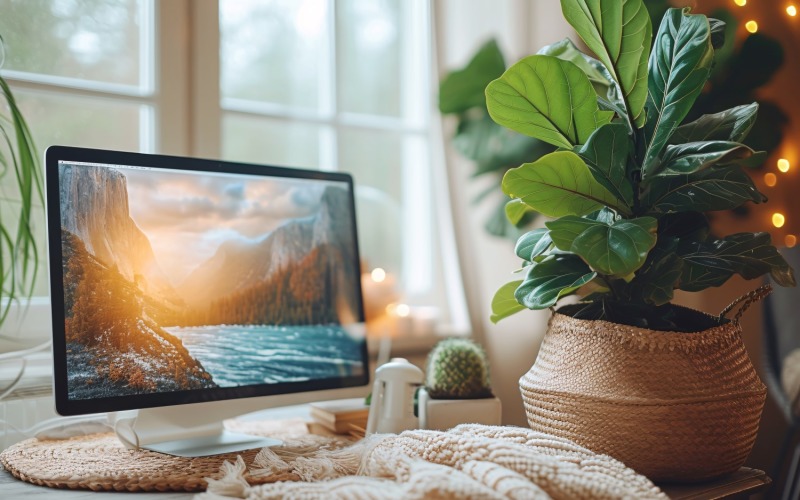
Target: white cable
122, 425
19, 355
63, 427
24, 352
14, 383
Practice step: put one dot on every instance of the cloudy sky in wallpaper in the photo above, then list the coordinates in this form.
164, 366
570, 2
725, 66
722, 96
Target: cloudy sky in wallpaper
187, 216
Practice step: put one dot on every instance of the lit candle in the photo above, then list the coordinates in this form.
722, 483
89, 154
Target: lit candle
400, 318
378, 288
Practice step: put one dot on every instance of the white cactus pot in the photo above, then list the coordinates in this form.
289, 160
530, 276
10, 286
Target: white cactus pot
443, 414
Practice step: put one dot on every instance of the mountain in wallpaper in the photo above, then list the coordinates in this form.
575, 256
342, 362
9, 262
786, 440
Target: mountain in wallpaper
129, 330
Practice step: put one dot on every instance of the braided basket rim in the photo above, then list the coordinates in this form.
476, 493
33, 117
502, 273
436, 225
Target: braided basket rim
725, 333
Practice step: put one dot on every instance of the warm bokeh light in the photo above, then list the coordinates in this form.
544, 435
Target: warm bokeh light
778, 220
784, 165
790, 240
751, 26
791, 10
740, 3
770, 179
378, 275
402, 310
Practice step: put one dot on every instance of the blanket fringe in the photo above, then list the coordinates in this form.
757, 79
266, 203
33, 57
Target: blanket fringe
232, 484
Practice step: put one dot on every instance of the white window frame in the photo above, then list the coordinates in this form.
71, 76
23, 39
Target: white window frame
183, 111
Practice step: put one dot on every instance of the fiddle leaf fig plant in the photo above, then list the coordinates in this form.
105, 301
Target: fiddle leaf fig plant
629, 182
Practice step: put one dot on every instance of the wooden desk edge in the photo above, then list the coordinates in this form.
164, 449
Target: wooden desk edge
742, 483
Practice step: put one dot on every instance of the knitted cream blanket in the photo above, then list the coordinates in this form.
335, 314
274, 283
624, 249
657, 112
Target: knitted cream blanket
469, 461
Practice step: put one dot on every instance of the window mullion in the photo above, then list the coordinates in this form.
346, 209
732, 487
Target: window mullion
329, 137
171, 78
205, 117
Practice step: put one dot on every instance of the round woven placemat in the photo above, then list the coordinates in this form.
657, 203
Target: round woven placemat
100, 462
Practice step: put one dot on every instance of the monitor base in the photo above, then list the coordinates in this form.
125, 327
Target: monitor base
224, 442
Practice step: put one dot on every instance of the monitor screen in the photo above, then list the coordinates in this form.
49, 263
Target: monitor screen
185, 280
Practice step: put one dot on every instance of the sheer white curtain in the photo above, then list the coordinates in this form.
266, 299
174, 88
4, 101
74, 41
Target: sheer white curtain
521, 28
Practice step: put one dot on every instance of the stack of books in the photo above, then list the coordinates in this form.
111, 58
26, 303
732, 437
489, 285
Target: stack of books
341, 416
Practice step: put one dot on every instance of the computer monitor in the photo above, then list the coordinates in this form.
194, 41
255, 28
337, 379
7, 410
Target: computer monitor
184, 288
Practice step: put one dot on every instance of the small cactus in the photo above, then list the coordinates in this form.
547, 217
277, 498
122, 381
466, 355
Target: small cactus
457, 369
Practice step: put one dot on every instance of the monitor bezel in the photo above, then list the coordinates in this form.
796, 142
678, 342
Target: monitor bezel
67, 406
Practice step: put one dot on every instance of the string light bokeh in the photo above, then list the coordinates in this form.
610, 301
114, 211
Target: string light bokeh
778, 178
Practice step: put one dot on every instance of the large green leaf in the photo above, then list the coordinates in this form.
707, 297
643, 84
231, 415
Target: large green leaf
533, 244
464, 89
658, 277
504, 304
679, 68
711, 189
606, 154
617, 249
564, 230
552, 279
730, 125
619, 32
750, 255
695, 156
566, 50
547, 98
559, 184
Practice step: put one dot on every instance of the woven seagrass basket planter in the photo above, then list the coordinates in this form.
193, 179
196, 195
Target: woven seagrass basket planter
673, 406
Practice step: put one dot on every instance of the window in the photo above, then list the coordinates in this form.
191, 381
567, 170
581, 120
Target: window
82, 73
329, 84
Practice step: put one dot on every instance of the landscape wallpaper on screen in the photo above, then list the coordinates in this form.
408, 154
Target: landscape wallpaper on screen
177, 281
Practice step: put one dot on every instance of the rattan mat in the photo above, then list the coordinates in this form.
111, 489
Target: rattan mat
99, 461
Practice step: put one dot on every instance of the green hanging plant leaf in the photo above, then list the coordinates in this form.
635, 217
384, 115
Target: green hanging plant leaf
617, 249
692, 157
494, 148
712, 189
619, 33
533, 244
606, 154
730, 125
552, 279
464, 89
559, 184
679, 68
546, 98
504, 304
751, 255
